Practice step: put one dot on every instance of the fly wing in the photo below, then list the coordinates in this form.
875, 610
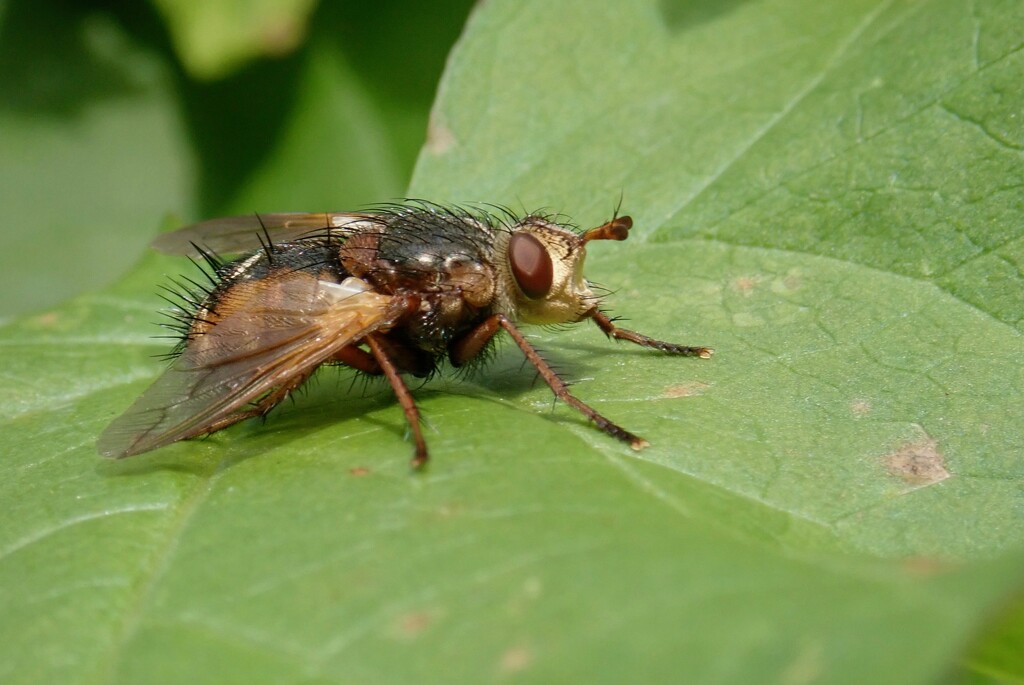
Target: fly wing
274, 340
235, 234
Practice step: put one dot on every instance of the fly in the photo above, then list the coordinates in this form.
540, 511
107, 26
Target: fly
390, 292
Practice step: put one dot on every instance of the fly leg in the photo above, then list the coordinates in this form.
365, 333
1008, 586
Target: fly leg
474, 341
260, 407
613, 331
405, 398
405, 359
359, 359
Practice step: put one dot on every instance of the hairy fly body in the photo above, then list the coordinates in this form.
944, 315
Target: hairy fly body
389, 292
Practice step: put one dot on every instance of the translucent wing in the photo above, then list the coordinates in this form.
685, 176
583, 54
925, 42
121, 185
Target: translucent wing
278, 333
235, 234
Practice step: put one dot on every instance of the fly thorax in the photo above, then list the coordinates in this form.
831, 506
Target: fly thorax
471, 278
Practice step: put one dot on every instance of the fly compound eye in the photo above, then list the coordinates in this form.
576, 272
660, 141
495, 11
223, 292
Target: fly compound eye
531, 265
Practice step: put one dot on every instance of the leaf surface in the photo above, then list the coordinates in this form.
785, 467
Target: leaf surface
823, 192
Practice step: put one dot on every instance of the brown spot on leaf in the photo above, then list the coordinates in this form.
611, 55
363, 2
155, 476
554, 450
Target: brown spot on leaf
411, 625
787, 284
688, 389
515, 659
925, 567
440, 138
860, 408
806, 666
281, 35
918, 463
358, 471
450, 509
47, 320
745, 284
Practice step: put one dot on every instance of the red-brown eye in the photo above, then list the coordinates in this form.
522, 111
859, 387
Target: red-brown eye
531, 265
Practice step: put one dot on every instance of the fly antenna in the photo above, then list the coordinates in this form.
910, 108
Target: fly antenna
616, 229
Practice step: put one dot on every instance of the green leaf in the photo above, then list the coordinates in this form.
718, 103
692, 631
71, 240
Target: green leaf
215, 37
93, 148
997, 656
104, 137
822, 191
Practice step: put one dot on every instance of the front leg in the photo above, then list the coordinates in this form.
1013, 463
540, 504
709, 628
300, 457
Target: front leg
613, 331
474, 341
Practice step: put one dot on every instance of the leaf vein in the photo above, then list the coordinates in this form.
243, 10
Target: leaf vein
151, 577
42, 534
784, 112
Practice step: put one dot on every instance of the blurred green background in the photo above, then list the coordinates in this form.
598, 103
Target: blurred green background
119, 117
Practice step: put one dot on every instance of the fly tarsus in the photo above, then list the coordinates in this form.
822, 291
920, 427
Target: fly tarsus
561, 388
612, 331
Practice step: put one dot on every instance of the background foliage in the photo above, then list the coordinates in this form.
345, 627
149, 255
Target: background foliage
827, 193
